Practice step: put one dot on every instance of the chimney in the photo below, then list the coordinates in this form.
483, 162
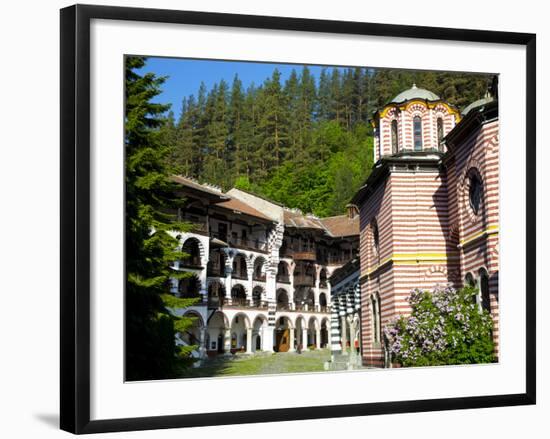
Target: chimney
353, 211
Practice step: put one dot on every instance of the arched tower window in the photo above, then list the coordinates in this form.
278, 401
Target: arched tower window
394, 137
417, 131
484, 287
376, 318
440, 134
375, 238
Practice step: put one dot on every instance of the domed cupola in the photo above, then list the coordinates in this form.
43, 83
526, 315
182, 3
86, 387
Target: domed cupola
414, 121
415, 93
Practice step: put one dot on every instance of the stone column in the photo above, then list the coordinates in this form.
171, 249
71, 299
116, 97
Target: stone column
304, 338
291, 268
227, 341
352, 340
202, 340
267, 338
228, 276
250, 272
343, 333
291, 341
335, 346
317, 289
318, 338
202, 277
248, 340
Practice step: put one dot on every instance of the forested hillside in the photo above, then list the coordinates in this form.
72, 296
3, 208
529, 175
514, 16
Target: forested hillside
305, 142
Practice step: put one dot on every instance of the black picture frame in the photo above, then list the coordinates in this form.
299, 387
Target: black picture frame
75, 217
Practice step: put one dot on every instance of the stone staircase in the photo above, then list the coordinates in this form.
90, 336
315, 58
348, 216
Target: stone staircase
344, 362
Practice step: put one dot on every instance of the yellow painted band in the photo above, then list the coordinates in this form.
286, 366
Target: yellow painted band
410, 259
491, 230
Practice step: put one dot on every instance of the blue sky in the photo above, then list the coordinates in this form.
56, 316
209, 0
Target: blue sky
185, 75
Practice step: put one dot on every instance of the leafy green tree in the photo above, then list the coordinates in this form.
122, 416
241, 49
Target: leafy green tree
445, 327
150, 248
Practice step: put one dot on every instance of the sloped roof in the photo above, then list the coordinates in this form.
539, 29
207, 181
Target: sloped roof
295, 218
194, 184
341, 225
238, 206
415, 93
477, 104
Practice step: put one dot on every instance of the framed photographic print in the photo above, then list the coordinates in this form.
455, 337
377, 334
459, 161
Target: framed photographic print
273, 218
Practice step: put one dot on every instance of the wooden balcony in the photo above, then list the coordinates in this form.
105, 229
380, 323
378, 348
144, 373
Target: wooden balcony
304, 255
191, 262
245, 243
304, 279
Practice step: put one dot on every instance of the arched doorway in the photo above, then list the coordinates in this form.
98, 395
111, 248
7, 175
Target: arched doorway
312, 332
323, 302
310, 300
192, 335
239, 267
189, 287
216, 294
239, 327
216, 329
283, 273
259, 269
324, 333
216, 264
238, 295
282, 335
484, 290
258, 328
192, 254
257, 296
282, 300
323, 283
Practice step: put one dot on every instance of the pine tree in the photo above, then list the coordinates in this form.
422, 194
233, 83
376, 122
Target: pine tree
307, 91
185, 157
293, 109
235, 142
323, 95
273, 124
150, 249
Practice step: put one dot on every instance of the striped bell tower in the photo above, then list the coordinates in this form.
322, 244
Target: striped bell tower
405, 239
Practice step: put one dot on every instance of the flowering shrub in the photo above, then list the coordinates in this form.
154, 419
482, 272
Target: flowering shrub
446, 326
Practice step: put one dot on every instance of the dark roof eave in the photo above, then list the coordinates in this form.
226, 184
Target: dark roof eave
243, 214
476, 117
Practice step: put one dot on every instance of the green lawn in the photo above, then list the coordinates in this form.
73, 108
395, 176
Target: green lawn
260, 364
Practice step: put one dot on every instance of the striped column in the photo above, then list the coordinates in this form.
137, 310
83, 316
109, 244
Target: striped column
335, 346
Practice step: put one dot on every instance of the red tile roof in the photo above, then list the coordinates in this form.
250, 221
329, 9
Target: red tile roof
238, 206
342, 225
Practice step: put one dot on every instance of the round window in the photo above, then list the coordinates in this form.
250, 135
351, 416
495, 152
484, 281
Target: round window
476, 190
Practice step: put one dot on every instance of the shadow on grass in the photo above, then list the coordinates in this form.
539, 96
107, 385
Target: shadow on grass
221, 365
